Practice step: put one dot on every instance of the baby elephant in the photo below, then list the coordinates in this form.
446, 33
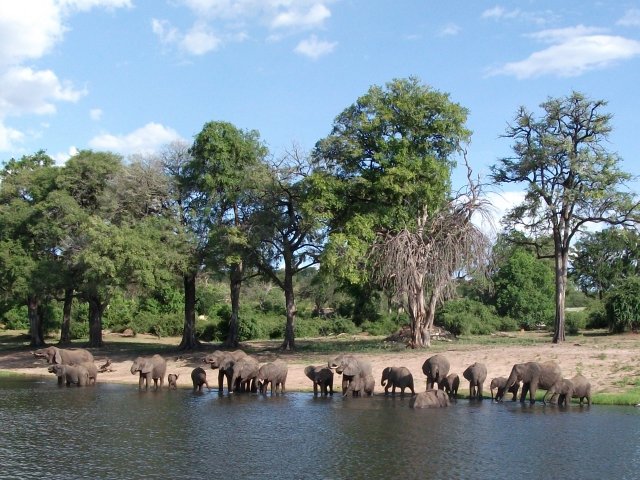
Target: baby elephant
274, 373
451, 384
399, 377
172, 380
476, 374
499, 384
430, 399
76, 374
199, 378
322, 377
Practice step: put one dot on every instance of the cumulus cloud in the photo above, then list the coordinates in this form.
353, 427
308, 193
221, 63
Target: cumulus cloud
573, 51
499, 204
62, 157
9, 137
301, 18
449, 30
631, 18
314, 48
144, 140
95, 114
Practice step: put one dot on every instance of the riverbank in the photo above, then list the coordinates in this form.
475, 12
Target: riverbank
610, 362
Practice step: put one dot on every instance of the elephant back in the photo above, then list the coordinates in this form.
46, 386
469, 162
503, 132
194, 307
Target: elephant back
550, 373
436, 367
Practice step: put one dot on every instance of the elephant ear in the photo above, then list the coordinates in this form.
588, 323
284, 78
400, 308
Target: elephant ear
351, 368
57, 356
146, 367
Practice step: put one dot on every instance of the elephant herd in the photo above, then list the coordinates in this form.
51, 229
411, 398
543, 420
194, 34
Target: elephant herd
243, 373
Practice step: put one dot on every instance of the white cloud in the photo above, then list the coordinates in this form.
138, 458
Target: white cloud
23, 90
147, 139
302, 18
62, 157
573, 52
499, 205
450, 29
9, 137
200, 40
631, 18
85, 5
95, 114
314, 48
499, 12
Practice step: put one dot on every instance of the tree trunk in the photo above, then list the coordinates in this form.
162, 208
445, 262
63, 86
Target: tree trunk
96, 309
420, 334
289, 336
235, 283
35, 322
189, 340
65, 329
561, 263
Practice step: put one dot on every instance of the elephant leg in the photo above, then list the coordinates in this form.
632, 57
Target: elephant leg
221, 376
523, 392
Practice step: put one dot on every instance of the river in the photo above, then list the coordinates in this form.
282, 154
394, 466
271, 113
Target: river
116, 432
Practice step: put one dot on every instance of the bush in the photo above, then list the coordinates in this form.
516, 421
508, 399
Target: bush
79, 330
596, 316
17, 318
622, 305
470, 317
162, 325
386, 325
575, 321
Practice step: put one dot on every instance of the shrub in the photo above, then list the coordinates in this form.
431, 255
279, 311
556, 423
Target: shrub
17, 318
386, 325
575, 321
470, 317
78, 330
622, 305
596, 316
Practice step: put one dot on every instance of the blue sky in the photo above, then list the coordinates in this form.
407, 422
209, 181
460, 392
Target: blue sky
130, 76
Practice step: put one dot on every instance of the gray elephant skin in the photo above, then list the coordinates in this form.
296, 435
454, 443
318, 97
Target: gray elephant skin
71, 374
91, 368
356, 374
534, 375
64, 356
274, 373
199, 378
450, 385
436, 368
244, 373
397, 377
172, 381
499, 385
223, 361
568, 388
476, 374
322, 378
150, 368
430, 399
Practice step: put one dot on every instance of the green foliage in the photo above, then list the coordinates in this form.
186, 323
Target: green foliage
525, 289
385, 325
16, 318
622, 305
79, 330
575, 321
597, 316
470, 317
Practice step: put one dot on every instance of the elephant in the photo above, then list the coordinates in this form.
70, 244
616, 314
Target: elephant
244, 373
499, 384
563, 388
581, 388
430, 399
172, 381
64, 356
76, 374
450, 384
199, 378
218, 358
322, 377
476, 373
352, 368
533, 375
91, 368
436, 369
274, 373
399, 377
150, 368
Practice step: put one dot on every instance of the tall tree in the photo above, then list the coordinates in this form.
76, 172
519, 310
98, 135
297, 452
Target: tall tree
287, 229
388, 161
226, 163
602, 259
571, 179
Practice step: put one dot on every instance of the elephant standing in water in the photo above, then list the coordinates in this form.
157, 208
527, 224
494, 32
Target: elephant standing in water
356, 374
499, 384
430, 399
534, 375
436, 369
399, 377
223, 361
199, 378
244, 373
476, 374
274, 373
71, 374
322, 377
150, 368
451, 384
568, 388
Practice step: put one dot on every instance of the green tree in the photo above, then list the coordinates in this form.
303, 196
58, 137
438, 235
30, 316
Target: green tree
622, 305
602, 259
387, 163
524, 289
570, 177
226, 163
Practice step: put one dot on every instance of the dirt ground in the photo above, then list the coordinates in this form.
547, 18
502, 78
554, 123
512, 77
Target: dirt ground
611, 363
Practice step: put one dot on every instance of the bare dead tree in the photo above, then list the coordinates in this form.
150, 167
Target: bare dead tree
417, 266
